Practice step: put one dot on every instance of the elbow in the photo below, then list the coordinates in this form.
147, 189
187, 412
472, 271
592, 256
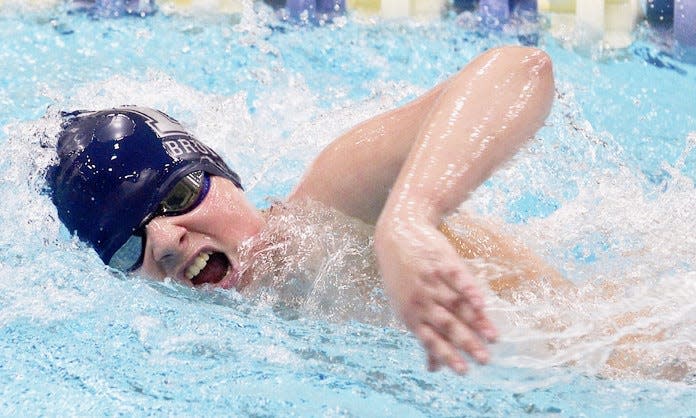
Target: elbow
534, 61
541, 68
529, 72
531, 65
538, 60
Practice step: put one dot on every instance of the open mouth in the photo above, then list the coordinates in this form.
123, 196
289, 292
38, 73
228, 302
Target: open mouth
208, 267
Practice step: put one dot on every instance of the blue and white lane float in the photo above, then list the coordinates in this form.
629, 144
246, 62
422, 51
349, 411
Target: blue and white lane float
419, 9
494, 12
659, 13
609, 23
314, 10
498, 12
301, 9
679, 16
524, 6
685, 29
589, 17
115, 8
464, 5
557, 6
331, 7
395, 9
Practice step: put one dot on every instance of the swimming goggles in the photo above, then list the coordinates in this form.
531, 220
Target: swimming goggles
185, 196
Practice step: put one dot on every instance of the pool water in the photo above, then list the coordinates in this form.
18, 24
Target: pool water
605, 193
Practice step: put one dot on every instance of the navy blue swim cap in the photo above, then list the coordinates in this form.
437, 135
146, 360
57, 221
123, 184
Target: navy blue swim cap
116, 166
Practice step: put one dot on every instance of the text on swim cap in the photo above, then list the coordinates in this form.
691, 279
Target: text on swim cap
176, 147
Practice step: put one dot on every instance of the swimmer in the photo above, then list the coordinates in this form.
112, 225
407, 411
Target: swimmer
151, 199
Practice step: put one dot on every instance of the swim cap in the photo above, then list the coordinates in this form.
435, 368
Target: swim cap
116, 166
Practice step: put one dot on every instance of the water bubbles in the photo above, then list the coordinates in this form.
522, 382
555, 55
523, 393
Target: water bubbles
328, 267
269, 102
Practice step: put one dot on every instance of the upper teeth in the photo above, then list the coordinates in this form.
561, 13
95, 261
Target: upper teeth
198, 264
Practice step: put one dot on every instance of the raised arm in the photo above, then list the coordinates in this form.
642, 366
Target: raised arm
408, 168
356, 172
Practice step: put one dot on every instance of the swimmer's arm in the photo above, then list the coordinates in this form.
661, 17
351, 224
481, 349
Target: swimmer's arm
356, 172
478, 121
411, 166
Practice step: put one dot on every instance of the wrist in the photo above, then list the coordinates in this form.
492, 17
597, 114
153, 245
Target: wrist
408, 211
399, 226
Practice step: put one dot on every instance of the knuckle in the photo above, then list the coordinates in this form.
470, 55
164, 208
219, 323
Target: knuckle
429, 275
443, 324
452, 301
442, 319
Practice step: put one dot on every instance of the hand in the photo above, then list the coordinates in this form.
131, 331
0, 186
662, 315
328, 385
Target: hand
433, 293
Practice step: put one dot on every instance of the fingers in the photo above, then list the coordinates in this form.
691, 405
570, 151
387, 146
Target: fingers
433, 363
440, 303
449, 326
478, 321
447, 296
457, 333
458, 278
440, 351
446, 337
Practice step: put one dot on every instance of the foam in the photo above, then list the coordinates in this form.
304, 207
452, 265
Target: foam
637, 232
204, 6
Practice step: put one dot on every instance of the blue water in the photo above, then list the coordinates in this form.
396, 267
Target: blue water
605, 193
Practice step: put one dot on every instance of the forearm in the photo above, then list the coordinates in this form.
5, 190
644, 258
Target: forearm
479, 118
478, 121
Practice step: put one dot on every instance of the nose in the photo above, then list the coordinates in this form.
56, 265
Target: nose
166, 240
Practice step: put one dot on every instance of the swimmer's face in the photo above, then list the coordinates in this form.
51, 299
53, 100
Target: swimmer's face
202, 246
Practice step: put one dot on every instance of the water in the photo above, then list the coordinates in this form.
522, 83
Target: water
604, 193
